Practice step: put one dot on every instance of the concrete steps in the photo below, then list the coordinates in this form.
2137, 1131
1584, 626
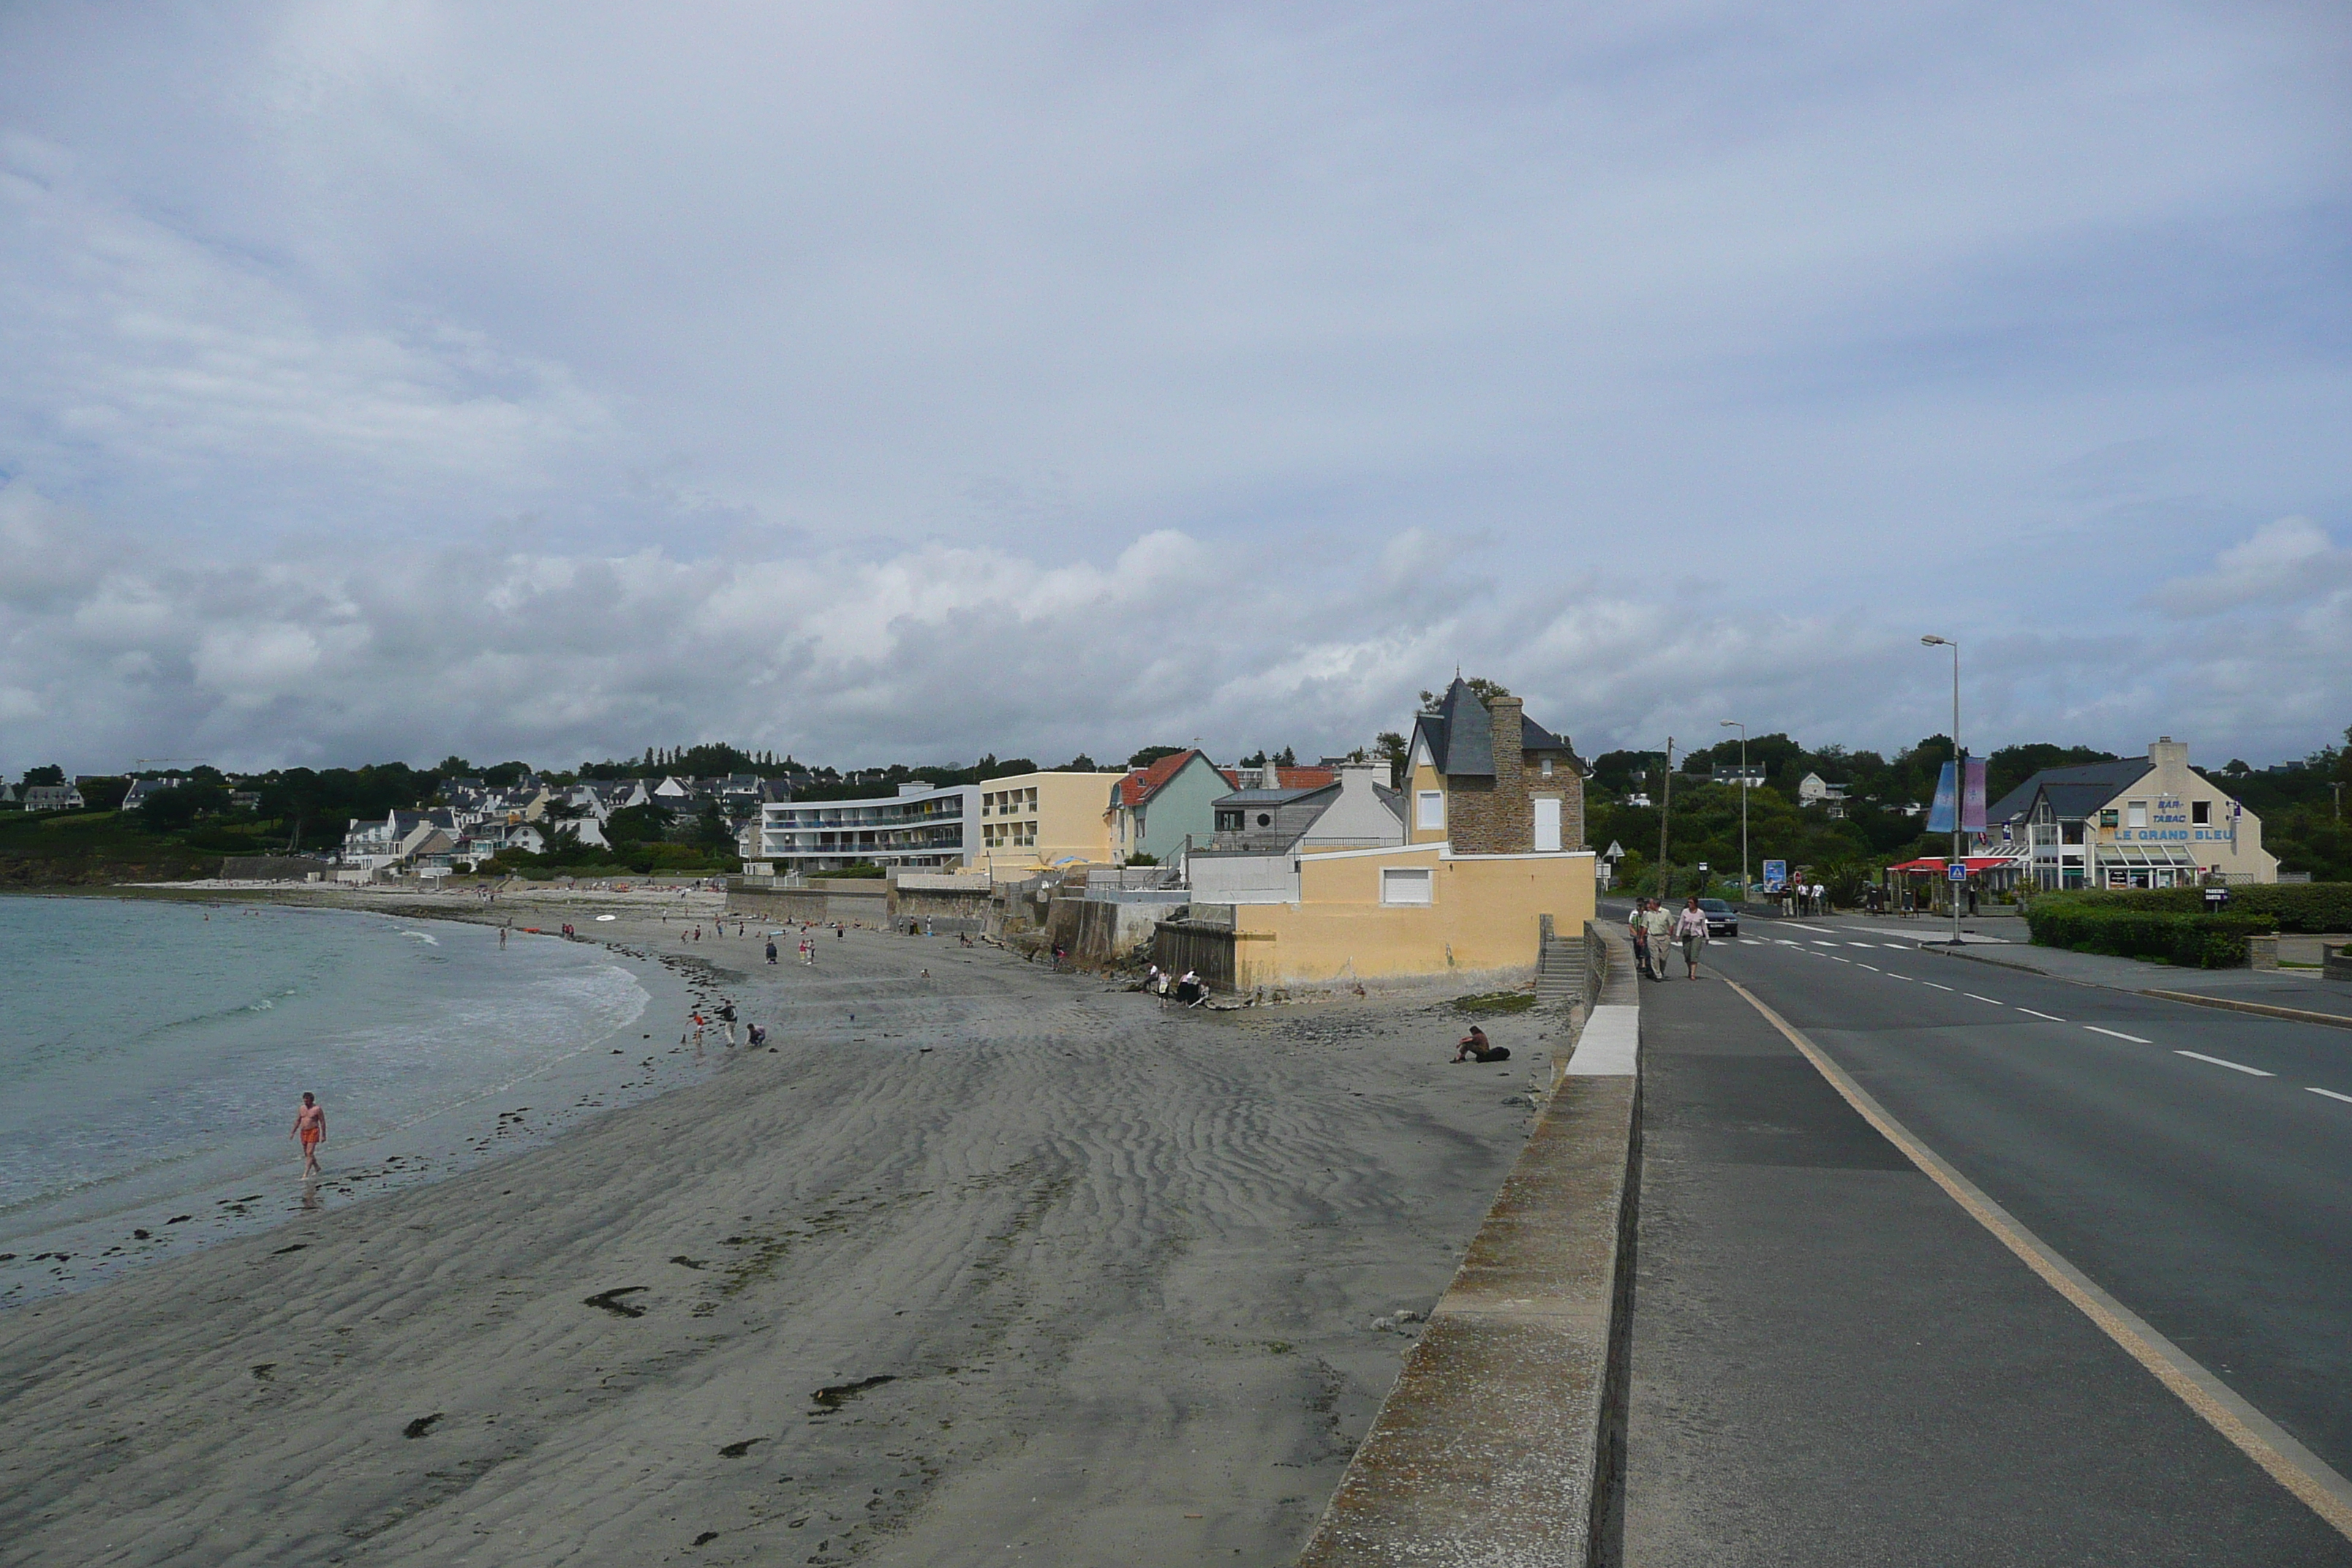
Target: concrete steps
1559, 973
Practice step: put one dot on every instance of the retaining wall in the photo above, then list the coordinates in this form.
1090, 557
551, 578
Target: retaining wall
1502, 1442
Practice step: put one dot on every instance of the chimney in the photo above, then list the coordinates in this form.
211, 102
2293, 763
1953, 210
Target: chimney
1272, 775
1514, 813
2168, 755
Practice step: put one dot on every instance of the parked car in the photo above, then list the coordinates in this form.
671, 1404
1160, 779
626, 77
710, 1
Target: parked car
1722, 920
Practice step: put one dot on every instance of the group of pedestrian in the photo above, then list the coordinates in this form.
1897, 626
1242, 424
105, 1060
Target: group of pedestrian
1657, 929
1800, 899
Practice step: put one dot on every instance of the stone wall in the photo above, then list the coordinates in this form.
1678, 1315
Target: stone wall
1496, 817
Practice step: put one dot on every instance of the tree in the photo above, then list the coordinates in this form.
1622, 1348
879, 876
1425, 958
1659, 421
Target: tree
1390, 748
1285, 758
51, 775
1151, 755
1081, 764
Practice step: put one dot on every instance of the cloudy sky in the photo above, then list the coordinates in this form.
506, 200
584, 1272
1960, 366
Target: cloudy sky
898, 382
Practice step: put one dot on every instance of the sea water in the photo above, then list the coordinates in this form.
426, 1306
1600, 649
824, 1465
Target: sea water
152, 1056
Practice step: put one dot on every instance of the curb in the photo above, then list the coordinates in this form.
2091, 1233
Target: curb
2195, 999
1502, 1441
2295, 1014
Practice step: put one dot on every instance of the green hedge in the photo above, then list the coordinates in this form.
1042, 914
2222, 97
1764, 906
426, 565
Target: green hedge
2307, 907
2191, 941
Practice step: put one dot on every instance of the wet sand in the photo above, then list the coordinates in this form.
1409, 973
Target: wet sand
1009, 1268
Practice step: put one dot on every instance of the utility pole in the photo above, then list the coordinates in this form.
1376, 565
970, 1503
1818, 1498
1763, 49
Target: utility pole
1736, 724
1665, 811
1959, 783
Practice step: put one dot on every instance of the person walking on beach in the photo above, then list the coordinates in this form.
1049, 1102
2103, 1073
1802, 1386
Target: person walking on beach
772, 950
1690, 930
310, 1131
727, 1021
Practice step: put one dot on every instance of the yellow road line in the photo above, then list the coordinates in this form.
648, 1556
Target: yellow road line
2263, 1440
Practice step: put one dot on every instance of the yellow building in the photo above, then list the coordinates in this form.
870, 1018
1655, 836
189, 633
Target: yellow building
1495, 820
1412, 910
1030, 821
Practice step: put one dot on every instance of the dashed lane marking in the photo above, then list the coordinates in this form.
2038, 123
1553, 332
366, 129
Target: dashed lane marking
2260, 1438
2117, 1035
1974, 997
1938, 987
2330, 1093
2051, 1017
1872, 967
1861, 944
2225, 1062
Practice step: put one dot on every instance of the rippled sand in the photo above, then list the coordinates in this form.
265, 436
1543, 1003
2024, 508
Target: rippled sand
1085, 1281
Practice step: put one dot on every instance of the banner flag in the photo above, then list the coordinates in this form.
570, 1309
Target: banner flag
1940, 813
1972, 794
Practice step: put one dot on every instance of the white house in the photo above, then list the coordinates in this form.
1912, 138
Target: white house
2140, 822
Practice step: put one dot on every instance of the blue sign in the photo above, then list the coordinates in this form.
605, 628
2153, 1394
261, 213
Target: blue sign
1776, 874
1957, 870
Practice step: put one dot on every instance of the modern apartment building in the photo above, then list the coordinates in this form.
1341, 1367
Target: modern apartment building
923, 825
1028, 821
1012, 826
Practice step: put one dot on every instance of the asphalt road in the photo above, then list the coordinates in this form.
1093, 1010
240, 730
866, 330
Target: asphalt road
1833, 1362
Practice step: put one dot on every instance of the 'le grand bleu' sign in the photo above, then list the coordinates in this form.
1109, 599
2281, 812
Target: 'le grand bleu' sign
2169, 824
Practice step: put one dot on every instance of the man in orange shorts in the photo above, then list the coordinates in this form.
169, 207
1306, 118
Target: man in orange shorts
310, 1128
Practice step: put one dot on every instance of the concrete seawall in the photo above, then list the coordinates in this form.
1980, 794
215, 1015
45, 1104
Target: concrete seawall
1502, 1441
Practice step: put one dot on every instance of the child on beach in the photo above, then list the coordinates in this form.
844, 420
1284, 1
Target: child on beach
310, 1131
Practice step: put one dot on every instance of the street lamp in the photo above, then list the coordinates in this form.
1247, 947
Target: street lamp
1958, 786
1736, 724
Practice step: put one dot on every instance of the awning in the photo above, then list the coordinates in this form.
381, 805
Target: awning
2146, 855
1931, 867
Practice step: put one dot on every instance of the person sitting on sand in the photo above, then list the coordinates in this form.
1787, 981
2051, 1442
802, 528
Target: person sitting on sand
1476, 1047
310, 1130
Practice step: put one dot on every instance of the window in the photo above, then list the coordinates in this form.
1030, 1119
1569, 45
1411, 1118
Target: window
1546, 767
2136, 814
1265, 819
1404, 887
1429, 809
2200, 813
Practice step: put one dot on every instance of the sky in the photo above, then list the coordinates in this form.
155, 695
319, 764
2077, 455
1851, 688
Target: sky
885, 381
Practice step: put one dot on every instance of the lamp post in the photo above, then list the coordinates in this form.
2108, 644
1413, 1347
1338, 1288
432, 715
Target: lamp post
1958, 787
1736, 724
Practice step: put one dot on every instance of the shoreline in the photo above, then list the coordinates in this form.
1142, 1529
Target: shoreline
975, 1253
73, 1253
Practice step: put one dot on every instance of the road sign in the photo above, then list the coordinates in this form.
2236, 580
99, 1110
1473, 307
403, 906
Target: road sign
1957, 870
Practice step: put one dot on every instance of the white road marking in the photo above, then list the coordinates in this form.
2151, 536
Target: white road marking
1938, 987
1861, 944
1794, 926
2117, 1035
2221, 1062
1891, 975
1872, 967
1834, 958
2330, 1093
1820, 943
1751, 941
2051, 1017
1974, 997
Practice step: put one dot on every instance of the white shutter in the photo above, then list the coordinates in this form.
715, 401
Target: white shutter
1547, 824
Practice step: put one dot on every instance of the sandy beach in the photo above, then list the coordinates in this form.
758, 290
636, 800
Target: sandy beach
985, 1264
